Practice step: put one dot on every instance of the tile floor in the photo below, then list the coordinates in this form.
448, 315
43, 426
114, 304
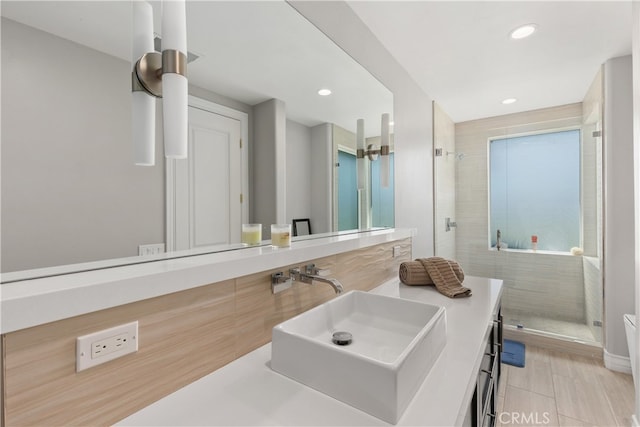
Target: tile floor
560, 389
571, 330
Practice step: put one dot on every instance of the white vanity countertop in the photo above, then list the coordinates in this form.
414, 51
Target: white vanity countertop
247, 392
27, 303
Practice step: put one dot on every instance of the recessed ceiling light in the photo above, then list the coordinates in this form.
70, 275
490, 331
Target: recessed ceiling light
523, 31
509, 101
324, 92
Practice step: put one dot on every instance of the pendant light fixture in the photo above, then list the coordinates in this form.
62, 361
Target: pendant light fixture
372, 152
360, 162
384, 151
164, 75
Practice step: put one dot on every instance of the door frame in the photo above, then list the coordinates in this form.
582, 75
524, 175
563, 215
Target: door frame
221, 110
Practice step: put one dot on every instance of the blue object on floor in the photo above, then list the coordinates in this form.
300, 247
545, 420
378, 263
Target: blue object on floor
513, 353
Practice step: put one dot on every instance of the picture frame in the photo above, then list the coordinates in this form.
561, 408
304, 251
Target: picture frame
301, 227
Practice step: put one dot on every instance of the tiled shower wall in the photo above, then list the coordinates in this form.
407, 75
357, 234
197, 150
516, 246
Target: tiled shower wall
593, 295
547, 284
183, 336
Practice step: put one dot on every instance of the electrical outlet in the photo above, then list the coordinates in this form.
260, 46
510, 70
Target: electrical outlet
110, 345
103, 346
154, 249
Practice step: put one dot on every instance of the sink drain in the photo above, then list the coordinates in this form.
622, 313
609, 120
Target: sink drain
342, 338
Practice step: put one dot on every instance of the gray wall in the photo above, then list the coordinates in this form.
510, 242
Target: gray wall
269, 149
70, 190
619, 243
321, 177
412, 111
298, 162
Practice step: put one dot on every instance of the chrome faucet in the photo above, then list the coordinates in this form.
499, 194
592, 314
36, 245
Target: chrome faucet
498, 240
311, 273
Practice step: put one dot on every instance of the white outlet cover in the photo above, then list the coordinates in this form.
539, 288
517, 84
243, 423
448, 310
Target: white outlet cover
84, 344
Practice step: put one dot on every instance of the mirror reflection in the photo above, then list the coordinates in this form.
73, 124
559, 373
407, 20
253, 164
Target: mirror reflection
263, 143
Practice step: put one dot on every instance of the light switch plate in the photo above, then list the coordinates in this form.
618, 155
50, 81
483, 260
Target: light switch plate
106, 345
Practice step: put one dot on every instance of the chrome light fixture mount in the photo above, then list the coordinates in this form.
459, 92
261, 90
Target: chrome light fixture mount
372, 152
149, 69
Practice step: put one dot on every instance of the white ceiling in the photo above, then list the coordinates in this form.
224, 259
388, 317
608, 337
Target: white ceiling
460, 54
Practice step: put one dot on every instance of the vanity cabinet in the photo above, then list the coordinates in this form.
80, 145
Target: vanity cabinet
484, 405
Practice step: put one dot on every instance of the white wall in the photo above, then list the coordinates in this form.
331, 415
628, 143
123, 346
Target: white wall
298, 142
619, 243
412, 111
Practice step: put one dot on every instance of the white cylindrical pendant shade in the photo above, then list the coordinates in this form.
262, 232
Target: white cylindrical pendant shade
384, 134
384, 160
143, 105
175, 96
360, 134
174, 115
144, 126
174, 27
384, 171
142, 30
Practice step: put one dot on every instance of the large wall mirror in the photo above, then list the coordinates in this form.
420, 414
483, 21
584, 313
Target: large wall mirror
70, 190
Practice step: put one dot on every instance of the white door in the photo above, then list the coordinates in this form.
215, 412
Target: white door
207, 186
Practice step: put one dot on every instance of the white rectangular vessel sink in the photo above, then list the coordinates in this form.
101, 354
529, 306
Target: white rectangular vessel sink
394, 343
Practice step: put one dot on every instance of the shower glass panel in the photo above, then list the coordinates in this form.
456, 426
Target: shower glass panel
347, 192
534, 192
382, 211
552, 291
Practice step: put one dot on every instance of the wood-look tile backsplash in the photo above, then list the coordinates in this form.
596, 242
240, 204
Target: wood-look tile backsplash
182, 337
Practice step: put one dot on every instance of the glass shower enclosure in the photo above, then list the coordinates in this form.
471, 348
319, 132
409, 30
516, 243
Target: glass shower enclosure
549, 257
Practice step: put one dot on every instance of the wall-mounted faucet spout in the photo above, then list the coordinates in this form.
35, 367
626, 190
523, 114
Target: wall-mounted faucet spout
337, 286
313, 273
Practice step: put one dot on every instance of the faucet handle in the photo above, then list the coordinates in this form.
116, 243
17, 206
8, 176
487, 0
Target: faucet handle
294, 273
280, 282
315, 271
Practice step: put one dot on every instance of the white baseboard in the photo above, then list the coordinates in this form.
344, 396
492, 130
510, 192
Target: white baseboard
617, 363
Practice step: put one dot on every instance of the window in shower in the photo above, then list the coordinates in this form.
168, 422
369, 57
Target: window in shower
535, 190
